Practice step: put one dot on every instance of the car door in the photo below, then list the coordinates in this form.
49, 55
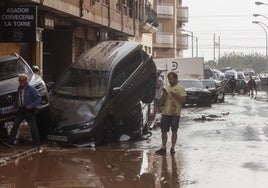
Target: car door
126, 77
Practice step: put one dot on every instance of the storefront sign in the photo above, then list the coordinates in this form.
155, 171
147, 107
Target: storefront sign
18, 24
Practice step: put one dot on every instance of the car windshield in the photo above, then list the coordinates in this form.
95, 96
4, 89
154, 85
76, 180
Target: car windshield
11, 69
191, 83
207, 83
82, 83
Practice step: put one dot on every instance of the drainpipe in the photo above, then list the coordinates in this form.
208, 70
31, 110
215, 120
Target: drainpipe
81, 2
109, 14
134, 12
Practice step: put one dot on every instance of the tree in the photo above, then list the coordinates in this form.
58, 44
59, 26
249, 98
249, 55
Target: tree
239, 61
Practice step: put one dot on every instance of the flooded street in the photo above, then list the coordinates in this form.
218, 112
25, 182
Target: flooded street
223, 146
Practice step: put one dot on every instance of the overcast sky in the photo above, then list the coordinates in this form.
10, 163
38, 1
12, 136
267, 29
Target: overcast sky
229, 20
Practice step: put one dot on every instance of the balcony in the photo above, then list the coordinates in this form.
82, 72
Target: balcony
164, 40
165, 10
182, 14
148, 20
182, 41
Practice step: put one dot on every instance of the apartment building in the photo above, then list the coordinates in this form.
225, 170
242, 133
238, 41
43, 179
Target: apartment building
53, 33
168, 41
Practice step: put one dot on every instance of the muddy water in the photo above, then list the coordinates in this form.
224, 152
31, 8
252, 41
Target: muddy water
101, 167
225, 146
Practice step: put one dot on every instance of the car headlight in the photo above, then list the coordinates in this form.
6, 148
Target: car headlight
86, 125
81, 126
39, 86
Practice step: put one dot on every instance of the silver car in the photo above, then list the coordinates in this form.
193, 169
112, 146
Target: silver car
10, 67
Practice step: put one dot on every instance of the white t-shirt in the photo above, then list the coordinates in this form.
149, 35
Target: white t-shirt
159, 87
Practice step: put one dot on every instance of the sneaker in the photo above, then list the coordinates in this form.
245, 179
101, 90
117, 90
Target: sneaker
172, 151
8, 144
161, 151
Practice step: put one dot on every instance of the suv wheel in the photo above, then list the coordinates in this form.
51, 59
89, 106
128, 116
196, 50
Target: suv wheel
109, 132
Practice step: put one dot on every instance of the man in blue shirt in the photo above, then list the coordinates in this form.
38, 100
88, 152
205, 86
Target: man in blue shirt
27, 100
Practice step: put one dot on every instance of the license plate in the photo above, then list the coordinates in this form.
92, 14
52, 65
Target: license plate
57, 138
193, 97
6, 110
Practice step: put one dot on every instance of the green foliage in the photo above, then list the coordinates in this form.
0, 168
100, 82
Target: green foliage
239, 62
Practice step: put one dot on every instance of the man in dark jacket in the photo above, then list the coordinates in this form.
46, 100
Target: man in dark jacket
252, 86
27, 100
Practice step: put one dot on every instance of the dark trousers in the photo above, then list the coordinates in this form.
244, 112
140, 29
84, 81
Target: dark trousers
29, 116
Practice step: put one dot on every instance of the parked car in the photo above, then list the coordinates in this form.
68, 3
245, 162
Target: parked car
197, 94
264, 80
216, 89
241, 82
99, 97
11, 66
248, 72
241, 86
230, 73
218, 75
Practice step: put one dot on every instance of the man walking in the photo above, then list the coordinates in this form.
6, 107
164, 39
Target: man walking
252, 86
27, 100
173, 97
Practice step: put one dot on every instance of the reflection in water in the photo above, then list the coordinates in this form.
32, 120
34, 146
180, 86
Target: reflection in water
102, 168
169, 177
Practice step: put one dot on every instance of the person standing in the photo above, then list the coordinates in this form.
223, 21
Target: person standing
233, 85
27, 100
173, 98
252, 86
158, 92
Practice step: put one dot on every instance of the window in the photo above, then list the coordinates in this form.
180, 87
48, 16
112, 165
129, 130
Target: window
125, 68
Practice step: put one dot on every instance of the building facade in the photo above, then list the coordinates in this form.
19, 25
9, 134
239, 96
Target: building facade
168, 41
66, 28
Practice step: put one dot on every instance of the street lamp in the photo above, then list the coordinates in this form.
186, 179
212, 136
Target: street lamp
261, 24
192, 41
260, 3
257, 15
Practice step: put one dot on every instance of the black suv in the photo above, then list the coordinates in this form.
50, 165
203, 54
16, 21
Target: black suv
100, 96
10, 67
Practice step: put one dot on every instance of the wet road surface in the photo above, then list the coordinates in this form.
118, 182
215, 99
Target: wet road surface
225, 146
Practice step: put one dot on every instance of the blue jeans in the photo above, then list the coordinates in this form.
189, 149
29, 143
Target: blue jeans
29, 116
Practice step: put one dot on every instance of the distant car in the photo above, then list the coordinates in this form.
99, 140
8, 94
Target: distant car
100, 96
248, 72
219, 75
241, 86
231, 73
197, 94
264, 80
11, 66
216, 89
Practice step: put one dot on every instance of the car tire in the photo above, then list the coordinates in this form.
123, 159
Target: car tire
207, 103
223, 98
109, 132
43, 122
242, 91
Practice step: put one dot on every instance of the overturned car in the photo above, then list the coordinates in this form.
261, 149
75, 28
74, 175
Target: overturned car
100, 96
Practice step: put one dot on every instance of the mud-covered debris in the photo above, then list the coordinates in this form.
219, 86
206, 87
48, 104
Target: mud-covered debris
120, 177
211, 117
113, 167
124, 138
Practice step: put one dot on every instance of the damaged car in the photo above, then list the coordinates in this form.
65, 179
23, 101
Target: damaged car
101, 95
216, 89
